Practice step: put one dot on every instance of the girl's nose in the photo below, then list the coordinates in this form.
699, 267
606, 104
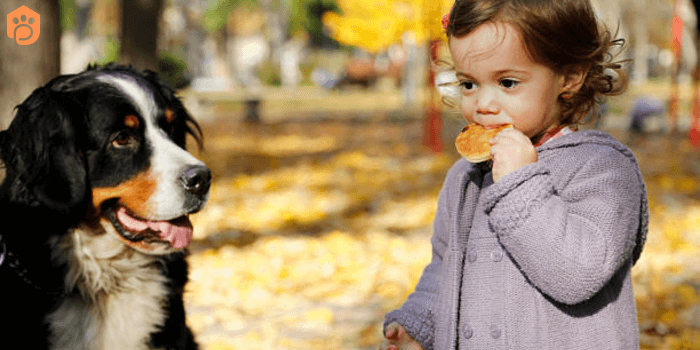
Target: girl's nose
487, 102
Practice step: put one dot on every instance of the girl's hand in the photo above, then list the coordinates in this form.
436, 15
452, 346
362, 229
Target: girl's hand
396, 338
510, 150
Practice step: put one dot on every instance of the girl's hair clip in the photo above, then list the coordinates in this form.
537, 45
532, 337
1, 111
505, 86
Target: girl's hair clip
445, 21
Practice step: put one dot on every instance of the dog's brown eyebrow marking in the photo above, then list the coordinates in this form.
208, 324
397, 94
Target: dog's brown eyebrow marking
169, 115
131, 121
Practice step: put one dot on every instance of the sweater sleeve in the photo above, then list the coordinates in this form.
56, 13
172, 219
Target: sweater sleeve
415, 314
569, 242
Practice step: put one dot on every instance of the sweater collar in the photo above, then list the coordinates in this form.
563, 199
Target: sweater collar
555, 133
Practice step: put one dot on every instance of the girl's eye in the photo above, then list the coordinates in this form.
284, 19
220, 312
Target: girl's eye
509, 83
467, 85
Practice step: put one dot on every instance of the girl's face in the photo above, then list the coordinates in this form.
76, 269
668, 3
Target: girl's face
500, 83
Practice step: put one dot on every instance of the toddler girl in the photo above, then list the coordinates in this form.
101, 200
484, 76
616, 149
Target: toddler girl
532, 249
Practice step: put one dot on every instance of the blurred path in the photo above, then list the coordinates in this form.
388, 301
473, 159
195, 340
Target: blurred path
313, 232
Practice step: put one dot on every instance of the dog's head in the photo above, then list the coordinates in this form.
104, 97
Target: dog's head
108, 145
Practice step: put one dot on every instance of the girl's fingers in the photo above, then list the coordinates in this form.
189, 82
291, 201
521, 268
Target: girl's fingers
500, 148
501, 137
509, 134
392, 331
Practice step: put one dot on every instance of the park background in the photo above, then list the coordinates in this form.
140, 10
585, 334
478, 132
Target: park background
329, 143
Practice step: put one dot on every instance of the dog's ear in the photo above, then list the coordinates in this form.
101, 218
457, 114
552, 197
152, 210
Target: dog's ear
43, 150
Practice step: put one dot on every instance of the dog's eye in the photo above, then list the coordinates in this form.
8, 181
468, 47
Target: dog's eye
123, 139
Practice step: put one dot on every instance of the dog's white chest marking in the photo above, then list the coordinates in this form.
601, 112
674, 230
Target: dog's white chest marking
122, 293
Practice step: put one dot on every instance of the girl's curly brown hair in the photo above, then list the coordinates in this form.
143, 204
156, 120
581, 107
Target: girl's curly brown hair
563, 35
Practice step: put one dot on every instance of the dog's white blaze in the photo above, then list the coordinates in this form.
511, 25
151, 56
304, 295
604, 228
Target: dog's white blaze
168, 161
141, 98
122, 294
167, 164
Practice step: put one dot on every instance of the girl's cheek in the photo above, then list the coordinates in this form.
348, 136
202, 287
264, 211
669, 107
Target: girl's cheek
467, 109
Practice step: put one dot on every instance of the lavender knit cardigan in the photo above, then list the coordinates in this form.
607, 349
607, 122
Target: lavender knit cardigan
540, 260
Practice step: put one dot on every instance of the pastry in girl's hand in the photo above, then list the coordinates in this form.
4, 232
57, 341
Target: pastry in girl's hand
473, 142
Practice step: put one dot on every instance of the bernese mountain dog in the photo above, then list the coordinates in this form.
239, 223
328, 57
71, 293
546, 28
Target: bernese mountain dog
95, 205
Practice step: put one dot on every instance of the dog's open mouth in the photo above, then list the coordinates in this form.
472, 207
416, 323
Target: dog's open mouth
176, 232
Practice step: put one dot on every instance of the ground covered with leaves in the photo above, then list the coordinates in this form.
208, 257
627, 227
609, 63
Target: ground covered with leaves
315, 230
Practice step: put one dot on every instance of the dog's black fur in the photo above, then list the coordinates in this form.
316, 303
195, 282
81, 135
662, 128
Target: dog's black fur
57, 151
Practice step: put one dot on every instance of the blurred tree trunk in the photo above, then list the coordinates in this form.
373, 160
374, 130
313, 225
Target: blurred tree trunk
641, 42
195, 38
24, 68
139, 32
82, 17
276, 32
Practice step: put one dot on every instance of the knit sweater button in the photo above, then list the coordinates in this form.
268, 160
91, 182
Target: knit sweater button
472, 255
467, 331
497, 255
495, 332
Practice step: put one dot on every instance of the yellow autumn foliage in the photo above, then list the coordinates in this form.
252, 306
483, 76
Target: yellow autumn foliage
374, 25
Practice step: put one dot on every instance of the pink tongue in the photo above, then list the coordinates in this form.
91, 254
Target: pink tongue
178, 232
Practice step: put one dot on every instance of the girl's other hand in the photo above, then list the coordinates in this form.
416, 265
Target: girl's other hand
511, 150
396, 338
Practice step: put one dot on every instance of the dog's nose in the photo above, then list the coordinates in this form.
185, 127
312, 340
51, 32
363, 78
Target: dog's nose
197, 179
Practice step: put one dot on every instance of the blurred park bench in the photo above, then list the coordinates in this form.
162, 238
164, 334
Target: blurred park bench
267, 104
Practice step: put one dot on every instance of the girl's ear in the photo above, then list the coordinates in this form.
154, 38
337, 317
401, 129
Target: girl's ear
573, 80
